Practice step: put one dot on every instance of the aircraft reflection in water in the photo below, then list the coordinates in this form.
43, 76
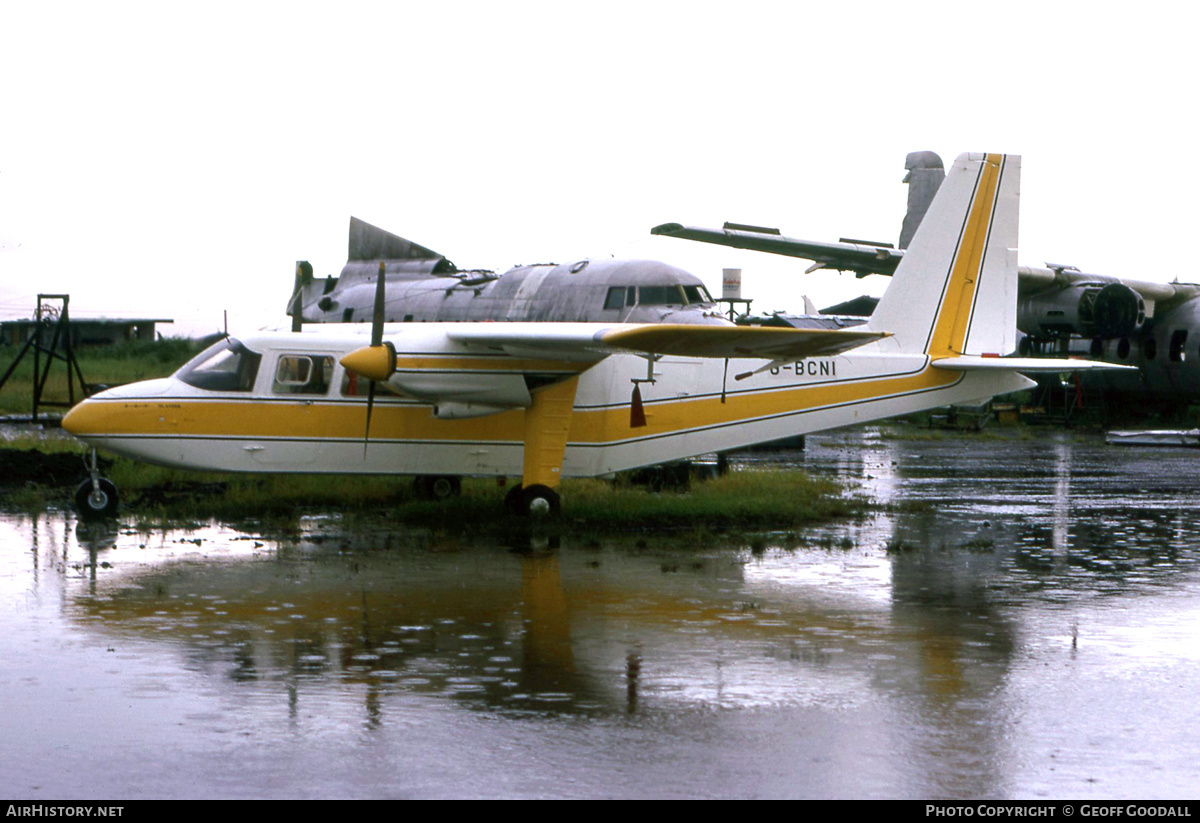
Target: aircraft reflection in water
1061, 310
570, 629
423, 286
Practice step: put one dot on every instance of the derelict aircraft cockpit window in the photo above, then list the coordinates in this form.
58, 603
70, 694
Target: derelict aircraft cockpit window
224, 366
303, 374
619, 296
660, 296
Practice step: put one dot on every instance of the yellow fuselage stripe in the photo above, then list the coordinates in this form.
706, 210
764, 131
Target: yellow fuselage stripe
319, 419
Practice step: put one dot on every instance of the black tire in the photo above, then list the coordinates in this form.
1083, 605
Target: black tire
539, 501
96, 504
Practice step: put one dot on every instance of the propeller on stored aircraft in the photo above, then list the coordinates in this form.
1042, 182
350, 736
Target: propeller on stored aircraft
377, 361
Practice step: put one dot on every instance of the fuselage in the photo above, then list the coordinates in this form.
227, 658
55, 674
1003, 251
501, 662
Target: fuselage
599, 291
1166, 351
282, 402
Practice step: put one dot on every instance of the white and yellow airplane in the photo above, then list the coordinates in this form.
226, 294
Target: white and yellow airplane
544, 401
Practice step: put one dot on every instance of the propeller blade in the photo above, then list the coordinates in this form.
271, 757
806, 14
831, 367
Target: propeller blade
377, 315
376, 343
370, 406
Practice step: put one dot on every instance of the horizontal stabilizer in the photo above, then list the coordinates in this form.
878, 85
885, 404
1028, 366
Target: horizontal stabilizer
1025, 364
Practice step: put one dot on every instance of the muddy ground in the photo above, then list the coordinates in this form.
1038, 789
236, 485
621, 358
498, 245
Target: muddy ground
23, 467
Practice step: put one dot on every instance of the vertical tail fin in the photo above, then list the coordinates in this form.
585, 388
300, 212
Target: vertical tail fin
925, 175
955, 291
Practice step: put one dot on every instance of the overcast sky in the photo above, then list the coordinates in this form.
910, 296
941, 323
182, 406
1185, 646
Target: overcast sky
176, 159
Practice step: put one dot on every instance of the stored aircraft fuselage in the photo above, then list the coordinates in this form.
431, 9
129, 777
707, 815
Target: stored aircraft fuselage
423, 286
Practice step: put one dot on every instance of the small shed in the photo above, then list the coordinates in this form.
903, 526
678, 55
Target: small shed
88, 332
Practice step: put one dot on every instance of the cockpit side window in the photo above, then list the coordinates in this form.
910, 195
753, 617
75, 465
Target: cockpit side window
225, 366
303, 374
697, 294
615, 299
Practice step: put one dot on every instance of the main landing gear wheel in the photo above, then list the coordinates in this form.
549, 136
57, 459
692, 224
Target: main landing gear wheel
96, 501
534, 501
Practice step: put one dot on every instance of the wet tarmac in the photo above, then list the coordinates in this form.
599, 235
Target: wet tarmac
1020, 619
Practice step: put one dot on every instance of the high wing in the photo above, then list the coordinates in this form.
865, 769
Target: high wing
869, 258
589, 343
858, 257
585, 341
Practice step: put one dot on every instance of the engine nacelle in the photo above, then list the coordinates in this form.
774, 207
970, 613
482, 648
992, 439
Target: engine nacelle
464, 411
495, 391
1085, 310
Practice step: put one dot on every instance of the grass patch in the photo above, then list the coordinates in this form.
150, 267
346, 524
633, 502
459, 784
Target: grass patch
739, 501
782, 498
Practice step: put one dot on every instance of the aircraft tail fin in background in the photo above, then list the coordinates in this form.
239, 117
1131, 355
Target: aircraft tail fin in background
925, 175
370, 243
955, 291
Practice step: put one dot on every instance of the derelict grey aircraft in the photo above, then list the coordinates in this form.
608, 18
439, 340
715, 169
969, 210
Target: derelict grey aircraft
1061, 310
423, 286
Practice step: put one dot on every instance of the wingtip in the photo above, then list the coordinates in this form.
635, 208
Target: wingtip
667, 228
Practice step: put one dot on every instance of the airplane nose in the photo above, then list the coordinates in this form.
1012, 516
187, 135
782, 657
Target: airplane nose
82, 419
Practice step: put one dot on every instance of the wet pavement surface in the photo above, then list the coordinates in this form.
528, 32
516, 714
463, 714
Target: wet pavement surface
1019, 619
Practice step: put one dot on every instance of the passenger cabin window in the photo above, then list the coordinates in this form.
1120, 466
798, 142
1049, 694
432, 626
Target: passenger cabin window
224, 366
1179, 345
303, 374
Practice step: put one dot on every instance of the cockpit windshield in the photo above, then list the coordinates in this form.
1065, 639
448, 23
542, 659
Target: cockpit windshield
660, 296
674, 295
224, 366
